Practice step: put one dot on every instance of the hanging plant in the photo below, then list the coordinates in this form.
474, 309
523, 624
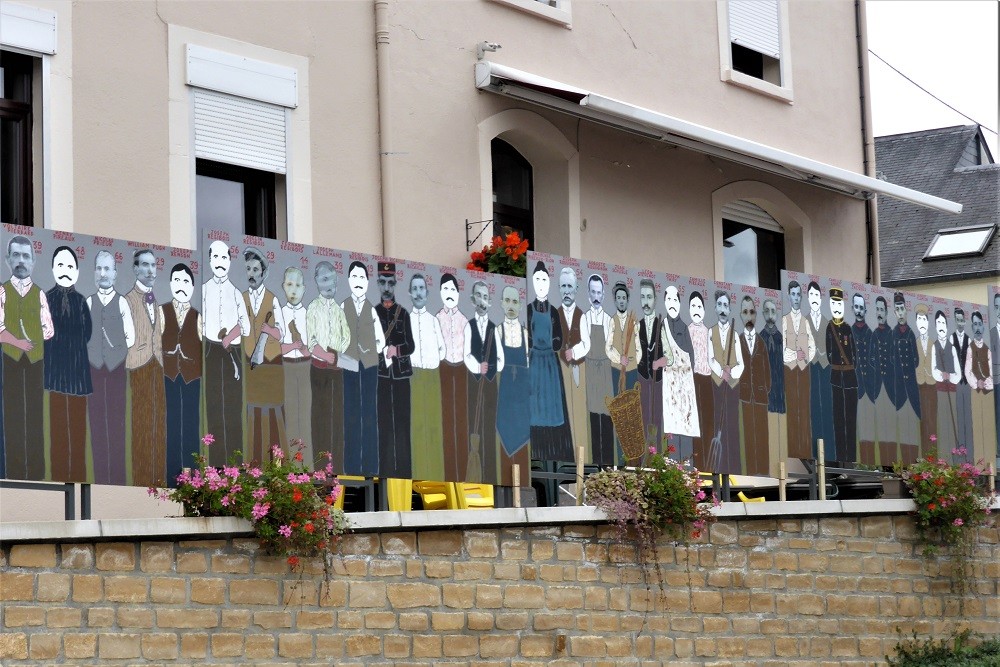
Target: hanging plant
504, 255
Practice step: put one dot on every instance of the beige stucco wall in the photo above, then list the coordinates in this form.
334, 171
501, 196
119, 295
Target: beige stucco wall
976, 291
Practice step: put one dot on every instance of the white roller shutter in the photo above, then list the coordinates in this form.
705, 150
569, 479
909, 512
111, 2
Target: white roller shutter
750, 214
239, 131
755, 25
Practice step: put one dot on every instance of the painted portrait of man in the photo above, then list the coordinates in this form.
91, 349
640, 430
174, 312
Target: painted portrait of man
182, 352
484, 360
800, 348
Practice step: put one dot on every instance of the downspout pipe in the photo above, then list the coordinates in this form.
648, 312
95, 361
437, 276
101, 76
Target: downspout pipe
872, 270
384, 131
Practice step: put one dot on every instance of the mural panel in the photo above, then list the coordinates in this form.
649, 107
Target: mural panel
983, 388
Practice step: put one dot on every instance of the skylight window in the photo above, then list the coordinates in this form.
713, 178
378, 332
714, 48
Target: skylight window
960, 241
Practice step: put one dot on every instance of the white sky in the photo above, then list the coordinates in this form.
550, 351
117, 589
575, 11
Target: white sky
950, 48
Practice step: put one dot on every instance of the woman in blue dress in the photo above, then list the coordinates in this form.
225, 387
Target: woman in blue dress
550, 434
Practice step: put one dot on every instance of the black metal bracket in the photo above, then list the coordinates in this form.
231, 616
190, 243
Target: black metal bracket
469, 242
68, 490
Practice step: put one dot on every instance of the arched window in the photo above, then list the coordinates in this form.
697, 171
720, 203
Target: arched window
513, 199
753, 245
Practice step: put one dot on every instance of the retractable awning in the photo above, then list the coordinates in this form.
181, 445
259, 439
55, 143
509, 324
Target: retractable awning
551, 94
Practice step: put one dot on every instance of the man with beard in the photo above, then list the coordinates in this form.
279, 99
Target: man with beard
726, 361
265, 378
513, 406
598, 325
550, 434
650, 365
680, 401
575, 345
327, 335
394, 372
454, 381
977, 370
703, 385
841, 353
144, 363
770, 335
755, 385
182, 349
926, 387
295, 362
963, 391
225, 316
867, 380
426, 433
67, 370
884, 386
361, 407
820, 389
800, 348
944, 370
905, 393
113, 333
484, 360
24, 311
622, 348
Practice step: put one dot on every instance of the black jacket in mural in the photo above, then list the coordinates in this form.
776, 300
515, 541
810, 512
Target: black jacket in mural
865, 370
906, 360
395, 323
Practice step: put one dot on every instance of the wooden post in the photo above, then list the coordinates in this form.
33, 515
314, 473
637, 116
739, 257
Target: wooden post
991, 478
515, 473
781, 481
579, 475
821, 465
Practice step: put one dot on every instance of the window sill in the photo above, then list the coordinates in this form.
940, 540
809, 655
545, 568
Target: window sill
757, 85
562, 15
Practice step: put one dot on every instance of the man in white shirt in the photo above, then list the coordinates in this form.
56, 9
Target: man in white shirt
426, 433
800, 348
295, 360
978, 371
484, 359
514, 392
598, 325
113, 334
926, 386
946, 374
454, 380
726, 362
821, 389
224, 314
576, 345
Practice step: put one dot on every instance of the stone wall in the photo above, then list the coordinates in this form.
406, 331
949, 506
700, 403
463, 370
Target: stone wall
783, 591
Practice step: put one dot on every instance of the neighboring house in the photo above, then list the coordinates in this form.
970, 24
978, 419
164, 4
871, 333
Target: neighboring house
953, 256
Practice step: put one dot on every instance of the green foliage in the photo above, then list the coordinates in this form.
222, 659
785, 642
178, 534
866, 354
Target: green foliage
961, 649
504, 255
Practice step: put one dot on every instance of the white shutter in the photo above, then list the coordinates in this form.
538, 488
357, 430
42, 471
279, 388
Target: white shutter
750, 214
235, 130
28, 28
755, 25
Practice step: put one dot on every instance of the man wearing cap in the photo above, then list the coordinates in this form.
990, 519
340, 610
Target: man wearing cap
800, 348
884, 385
841, 353
622, 346
394, 371
906, 394
926, 387
865, 370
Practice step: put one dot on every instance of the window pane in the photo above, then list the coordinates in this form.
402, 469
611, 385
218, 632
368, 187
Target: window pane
220, 205
959, 243
740, 254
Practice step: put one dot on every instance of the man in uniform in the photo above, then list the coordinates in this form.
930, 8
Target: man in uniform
755, 387
113, 333
575, 345
484, 360
867, 380
327, 336
726, 361
800, 348
963, 392
926, 386
906, 394
599, 325
182, 350
361, 406
841, 353
394, 371
884, 386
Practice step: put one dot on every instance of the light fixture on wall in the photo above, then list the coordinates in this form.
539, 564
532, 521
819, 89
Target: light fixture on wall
483, 47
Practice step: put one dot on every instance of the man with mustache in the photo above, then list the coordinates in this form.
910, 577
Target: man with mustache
820, 389
800, 348
226, 321
926, 386
180, 335
484, 360
650, 365
622, 347
67, 370
905, 393
884, 386
755, 385
867, 387
361, 407
726, 362
144, 363
454, 381
295, 360
960, 341
265, 378
842, 355
978, 371
513, 405
598, 323
112, 335
776, 422
394, 372
681, 418
575, 345
24, 311
944, 371
426, 433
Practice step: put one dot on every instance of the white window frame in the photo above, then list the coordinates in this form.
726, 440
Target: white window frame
990, 229
259, 63
731, 76
562, 13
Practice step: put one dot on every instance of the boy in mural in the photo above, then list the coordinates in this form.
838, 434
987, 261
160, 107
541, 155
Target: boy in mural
905, 393
484, 360
776, 423
800, 348
884, 369
726, 361
576, 344
327, 336
960, 341
842, 355
867, 388
978, 371
926, 387
703, 385
296, 364
224, 313
27, 323
67, 369
112, 334
144, 363
820, 389
361, 408
513, 395
650, 365
454, 381
265, 378
182, 349
394, 372
426, 434
946, 374
622, 347
598, 324
549, 419
755, 385
680, 402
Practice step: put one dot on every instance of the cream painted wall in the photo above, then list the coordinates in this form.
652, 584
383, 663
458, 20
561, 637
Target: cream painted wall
976, 291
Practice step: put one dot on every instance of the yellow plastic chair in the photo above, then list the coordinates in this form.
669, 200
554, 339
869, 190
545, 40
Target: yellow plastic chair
742, 496
437, 495
339, 504
475, 496
399, 493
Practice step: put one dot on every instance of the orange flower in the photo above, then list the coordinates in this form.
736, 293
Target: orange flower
293, 561
513, 239
309, 528
297, 495
470, 266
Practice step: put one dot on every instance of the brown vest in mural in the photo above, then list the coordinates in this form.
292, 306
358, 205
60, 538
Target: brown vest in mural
626, 347
272, 348
570, 334
797, 341
23, 318
725, 352
924, 361
147, 332
181, 345
980, 364
755, 383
